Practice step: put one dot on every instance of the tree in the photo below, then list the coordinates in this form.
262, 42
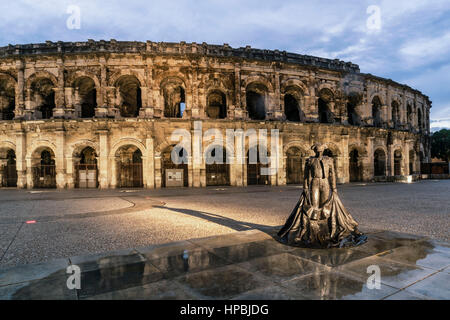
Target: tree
440, 145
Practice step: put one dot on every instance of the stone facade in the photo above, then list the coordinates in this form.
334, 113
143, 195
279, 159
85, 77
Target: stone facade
106, 110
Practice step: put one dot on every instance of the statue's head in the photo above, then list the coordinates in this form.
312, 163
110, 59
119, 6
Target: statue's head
319, 148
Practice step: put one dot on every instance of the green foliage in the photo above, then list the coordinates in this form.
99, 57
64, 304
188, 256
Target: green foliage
440, 145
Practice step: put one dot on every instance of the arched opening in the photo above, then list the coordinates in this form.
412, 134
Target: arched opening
376, 111
174, 100
409, 114
44, 169
292, 109
398, 163
130, 97
324, 104
379, 163
216, 105
419, 120
43, 96
354, 166
353, 101
86, 169
7, 98
294, 166
256, 101
395, 114
217, 168
257, 159
129, 167
86, 95
8, 171
174, 167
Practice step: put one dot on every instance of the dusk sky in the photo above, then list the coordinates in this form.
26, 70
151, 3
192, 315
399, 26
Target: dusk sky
410, 46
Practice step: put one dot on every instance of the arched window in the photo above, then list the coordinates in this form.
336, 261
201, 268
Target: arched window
7, 98
395, 114
292, 109
43, 96
325, 113
130, 97
174, 100
216, 105
353, 101
256, 101
379, 163
86, 94
376, 111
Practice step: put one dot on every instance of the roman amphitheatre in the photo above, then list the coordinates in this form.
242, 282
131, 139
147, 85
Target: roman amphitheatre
99, 114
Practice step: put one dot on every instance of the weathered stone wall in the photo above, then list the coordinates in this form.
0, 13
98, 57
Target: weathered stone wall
107, 95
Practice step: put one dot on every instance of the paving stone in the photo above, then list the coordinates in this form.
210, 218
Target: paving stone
434, 287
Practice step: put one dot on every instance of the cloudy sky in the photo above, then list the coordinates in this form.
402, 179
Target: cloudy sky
409, 43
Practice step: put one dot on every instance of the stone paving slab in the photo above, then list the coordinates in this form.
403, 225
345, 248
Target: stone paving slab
249, 265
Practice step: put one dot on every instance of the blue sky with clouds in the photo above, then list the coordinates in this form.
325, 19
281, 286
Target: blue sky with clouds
412, 46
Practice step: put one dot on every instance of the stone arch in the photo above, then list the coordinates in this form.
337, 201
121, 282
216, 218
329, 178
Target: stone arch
129, 95
115, 76
380, 161
361, 149
86, 93
40, 90
377, 104
75, 75
127, 141
76, 148
356, 152
8, 88
258, 79
217, 102
39, 145
325, 105
379, 95
398, 159
43, 165
257, 100
292, 82
41, 75
173, 92
354, 100
293, 98
8, 160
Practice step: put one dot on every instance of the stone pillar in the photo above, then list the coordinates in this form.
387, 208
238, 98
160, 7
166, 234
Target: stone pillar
405, 158
238, 111
343, 162
59, 159
102, 93
277, 105
197, 163
70, 109
21, 165
149, 169
103, 158
20, 90
29, 173
70, 173
369, 172
3, 163
281, 163
238, 161
59, 111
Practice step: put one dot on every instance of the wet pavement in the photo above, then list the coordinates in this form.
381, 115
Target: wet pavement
249, 265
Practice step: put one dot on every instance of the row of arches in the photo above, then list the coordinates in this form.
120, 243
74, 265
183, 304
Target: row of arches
129, 166
41, 94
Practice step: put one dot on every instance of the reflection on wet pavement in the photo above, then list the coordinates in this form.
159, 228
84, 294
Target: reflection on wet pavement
245, 265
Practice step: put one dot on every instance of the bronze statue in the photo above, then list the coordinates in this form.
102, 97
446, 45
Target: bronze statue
319, 218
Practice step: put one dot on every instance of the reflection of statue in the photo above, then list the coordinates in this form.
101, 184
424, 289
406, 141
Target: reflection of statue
319, 219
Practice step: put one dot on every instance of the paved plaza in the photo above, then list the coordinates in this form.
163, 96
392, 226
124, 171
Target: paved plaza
174, 243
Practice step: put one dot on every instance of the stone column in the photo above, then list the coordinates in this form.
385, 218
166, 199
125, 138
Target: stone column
21, 166
29, 173
149, 171
343, 162
3, 163
102, 99
277, 107
103, 158
198, 164
71, 171
59, 111
59, 159
238, 111
20, 90
238, 162
369, 165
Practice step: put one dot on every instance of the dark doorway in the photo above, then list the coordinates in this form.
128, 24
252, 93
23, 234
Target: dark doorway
254, 166
294, 166
178, 163
218, 174
86, 170
292, 108
44, 173
379, 163
397, 163
130, 173
354, 167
